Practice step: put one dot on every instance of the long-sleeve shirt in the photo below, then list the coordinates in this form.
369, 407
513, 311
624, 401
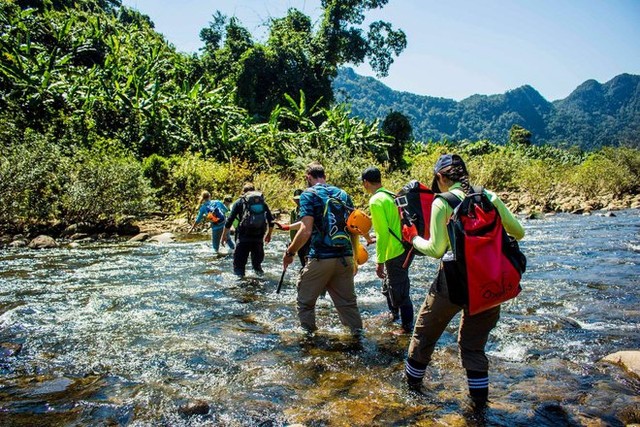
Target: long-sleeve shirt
385, 216
210, 206
438, 242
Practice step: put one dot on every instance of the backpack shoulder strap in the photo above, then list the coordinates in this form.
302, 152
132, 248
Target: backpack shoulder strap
451, 199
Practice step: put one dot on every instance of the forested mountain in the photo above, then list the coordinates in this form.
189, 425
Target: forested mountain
592, 116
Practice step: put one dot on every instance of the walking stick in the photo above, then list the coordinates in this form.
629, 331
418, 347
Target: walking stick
284, 270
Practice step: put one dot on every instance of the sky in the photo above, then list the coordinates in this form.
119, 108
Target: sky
457, 48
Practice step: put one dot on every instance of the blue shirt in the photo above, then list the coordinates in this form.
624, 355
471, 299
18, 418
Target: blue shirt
312, 204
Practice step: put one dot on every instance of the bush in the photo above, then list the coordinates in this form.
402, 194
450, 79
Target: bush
104, 187
31, 175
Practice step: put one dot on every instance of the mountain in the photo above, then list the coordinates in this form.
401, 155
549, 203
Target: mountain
592, 116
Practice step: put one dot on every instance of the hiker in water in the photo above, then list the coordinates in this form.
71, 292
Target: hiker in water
330, 264
213, 211
294, 225
392, 258
450, 175
253, 231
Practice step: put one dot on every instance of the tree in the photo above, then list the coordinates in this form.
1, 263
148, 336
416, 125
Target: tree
296, 57
396, 125
519, 136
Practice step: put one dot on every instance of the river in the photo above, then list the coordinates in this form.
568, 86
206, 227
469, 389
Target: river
116, 333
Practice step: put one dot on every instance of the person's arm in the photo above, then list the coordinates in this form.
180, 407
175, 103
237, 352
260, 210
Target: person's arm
438, 241
511, 224
202, 211
235, 211
301, 237
270, 224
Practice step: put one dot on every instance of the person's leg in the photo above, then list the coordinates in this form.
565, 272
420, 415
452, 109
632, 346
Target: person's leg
472, 340
399, 290
434, 316
216, 233
342, 291
257, 256
394, 311
311, 282
240, 257
230, 243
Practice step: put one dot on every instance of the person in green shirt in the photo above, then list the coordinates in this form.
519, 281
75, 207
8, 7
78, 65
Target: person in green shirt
450, 174
391, 254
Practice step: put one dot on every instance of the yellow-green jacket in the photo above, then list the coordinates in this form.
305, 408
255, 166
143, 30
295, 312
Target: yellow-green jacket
385, 216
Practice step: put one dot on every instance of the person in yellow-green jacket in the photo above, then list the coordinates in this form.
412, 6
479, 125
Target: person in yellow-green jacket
391, 254
450, 175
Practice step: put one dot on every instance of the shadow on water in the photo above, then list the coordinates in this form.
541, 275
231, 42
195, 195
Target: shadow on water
123, 334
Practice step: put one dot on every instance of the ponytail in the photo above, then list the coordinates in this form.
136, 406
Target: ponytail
459, 174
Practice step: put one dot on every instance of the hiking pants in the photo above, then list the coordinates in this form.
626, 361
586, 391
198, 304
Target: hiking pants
336, 276
434, 316
216, 234
397, 287
241, 256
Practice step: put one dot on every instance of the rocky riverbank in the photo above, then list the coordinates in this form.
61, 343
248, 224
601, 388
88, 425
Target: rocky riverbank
163, 228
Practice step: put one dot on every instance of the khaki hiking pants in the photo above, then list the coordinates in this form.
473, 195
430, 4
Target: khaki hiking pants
434, 316
336, 276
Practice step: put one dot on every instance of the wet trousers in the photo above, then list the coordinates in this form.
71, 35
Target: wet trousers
241, 256
335, 275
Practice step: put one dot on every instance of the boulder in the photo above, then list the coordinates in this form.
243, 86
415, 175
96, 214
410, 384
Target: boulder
163, 238
198, 407
630, 360
140, 237
43, 242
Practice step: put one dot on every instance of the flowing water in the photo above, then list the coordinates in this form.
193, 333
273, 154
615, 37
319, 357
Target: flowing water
114, 333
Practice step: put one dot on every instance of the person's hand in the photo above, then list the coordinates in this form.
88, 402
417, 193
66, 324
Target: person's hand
287, 259
380, 271
370, 239
409, 232
267, 238
282, 227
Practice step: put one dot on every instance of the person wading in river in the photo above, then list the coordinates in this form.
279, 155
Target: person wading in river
450, 174
390, 251
328, 266
254, 229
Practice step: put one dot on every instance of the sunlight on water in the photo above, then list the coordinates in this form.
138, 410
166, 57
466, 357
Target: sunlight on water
132, 334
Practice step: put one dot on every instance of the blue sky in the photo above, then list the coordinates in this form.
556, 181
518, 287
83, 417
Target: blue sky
459, 48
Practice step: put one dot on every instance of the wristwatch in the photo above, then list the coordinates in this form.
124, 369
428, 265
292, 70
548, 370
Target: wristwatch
287, 253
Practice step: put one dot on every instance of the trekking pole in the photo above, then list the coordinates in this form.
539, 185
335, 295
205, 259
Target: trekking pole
284, 270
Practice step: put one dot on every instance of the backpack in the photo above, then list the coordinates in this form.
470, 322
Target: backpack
254, 214
485, 265
335, 213
414, 205
214, 213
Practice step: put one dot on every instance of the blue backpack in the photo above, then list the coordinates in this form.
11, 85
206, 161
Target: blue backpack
333, 227
215, 213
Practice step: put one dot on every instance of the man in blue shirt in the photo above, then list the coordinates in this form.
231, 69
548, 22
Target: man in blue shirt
329, 267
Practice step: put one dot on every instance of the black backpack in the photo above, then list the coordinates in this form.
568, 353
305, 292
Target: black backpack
485, 265
254, 214
414, 205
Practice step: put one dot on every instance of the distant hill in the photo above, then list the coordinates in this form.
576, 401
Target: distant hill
593, 115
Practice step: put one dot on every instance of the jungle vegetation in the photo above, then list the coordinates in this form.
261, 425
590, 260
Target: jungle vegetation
102, 120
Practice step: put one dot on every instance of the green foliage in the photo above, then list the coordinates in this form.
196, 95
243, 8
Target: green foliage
396, 125
519, 136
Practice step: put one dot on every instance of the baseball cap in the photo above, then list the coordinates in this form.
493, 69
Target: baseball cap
296, 194
447, 160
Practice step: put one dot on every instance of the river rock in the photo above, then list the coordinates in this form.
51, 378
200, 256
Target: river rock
630, 415
163, 238
43, 242
9, 349
199, 407
79, 236
18, 243
81, 227
140, 237
630, 360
